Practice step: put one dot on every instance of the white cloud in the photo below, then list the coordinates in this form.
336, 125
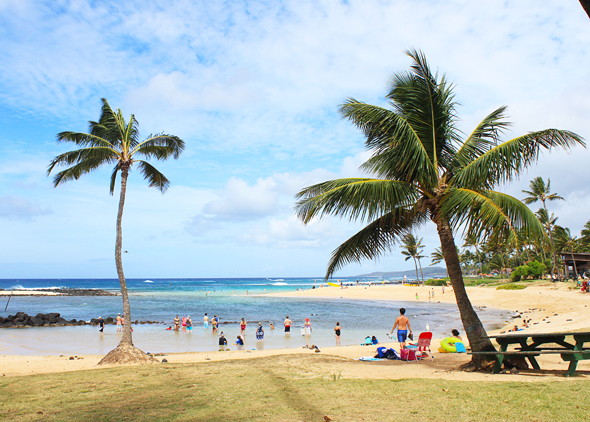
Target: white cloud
16, 208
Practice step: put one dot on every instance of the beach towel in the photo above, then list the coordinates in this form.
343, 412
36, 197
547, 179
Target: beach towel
369, 359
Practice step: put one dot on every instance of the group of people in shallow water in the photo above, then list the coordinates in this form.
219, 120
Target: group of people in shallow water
187, 322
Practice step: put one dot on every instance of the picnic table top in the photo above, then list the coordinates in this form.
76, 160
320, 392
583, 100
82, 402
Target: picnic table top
521, 334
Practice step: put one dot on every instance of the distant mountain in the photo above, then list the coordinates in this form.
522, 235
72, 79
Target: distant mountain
428, 273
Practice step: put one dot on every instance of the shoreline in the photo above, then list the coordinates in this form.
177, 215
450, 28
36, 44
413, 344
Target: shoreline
551, 308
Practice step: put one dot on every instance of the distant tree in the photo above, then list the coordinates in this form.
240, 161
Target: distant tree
586, 234
564, 241
412, 249
114, 141
541, 192
436, 257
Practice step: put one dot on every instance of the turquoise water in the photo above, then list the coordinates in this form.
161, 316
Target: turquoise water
230, 299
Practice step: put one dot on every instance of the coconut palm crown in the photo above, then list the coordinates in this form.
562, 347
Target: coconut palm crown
422, 169
114, 141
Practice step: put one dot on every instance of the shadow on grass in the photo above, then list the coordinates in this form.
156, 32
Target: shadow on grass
294, 398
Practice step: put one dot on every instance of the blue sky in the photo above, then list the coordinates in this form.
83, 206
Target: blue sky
253, 88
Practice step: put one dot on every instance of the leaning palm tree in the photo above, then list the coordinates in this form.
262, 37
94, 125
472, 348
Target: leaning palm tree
113, 141
422, 170
539, 191
411, 245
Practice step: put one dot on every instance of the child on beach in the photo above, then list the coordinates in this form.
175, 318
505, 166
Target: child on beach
222, 340
240, 341
119, 323
307, 328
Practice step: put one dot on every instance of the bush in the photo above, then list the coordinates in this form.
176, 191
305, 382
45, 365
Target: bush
436, 282
511, 287
533, 269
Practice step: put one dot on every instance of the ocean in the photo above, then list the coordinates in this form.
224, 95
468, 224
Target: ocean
230, 299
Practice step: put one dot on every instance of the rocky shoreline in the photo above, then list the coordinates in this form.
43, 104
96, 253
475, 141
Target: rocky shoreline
59, 292
53, 319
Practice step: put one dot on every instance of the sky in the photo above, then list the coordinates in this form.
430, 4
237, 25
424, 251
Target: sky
253, 88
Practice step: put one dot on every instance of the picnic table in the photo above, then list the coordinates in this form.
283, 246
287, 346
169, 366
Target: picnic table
530, 345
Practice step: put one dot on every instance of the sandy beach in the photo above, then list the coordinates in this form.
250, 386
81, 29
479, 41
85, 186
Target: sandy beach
551, 308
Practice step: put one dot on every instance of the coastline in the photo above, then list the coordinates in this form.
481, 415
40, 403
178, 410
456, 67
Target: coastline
551, 308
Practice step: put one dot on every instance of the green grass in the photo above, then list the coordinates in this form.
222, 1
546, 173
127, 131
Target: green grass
511, 287
280, 388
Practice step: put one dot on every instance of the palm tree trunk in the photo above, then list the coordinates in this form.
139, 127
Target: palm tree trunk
421, 273
474, 330
575, 267
416, 265
119, 262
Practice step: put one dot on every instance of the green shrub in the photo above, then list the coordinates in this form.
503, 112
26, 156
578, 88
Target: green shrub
533, 269
436, 282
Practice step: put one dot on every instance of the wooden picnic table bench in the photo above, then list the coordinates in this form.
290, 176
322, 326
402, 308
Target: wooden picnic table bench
531, 345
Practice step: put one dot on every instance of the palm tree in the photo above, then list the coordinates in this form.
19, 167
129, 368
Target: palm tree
436, 256
585, 239
422, 170
113, 141
541, 192
548, 223
412, 247
565, 241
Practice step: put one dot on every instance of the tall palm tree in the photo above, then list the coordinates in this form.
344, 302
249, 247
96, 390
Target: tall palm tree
423, 170
114, 141
541, 192
412, 245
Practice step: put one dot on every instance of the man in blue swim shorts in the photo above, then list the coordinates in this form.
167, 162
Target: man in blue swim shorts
403, 325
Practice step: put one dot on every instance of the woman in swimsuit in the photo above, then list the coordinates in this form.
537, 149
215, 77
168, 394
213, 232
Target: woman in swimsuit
260, 332
189, 324
307, 328
337, 332
243, 327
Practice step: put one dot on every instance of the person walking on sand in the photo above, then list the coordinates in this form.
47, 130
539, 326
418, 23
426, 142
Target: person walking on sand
176, 323
403, 325
119, 323
307, 329
337, 332
260, 332
243, 328
288, 324
206, 321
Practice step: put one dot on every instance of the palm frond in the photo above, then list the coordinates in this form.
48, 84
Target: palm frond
84, 139
484, 136
160, 146
153, 176
483, 213
92, 154
114, 178
375, 239
507, 160
428, 106
88, 165
355, 198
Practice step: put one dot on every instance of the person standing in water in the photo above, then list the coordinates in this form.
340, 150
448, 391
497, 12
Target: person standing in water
260, 332
119, 323
307, 329
101, 324
206, 321
402, 323
243, 328
337, 332
176, 323
288, 324
189, 324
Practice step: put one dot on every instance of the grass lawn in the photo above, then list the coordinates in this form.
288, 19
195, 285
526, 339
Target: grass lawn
279, 388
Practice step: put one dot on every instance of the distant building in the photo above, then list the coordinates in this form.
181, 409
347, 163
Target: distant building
581, 260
